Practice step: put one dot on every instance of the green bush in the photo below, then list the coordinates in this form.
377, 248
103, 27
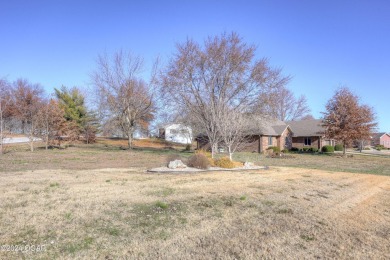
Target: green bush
275, 149
199, 161
366, 148
309, 150
285, 151
188, 147
224, 162
327, 149
294, 149
338, 147
379, 147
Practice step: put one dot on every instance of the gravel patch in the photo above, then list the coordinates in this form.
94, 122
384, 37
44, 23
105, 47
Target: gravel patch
211, 169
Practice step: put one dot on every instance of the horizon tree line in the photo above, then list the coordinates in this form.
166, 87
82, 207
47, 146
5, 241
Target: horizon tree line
210, 86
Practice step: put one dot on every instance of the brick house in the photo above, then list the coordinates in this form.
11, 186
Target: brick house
264, 132
309, 133
381, 139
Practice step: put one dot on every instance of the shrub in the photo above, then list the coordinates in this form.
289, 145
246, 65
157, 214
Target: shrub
327, 149
274, 148
188, 147
294, 149
238, 164
199, 161
224, 162
338, 147
379, 147
285, 151
309, 150
208, 156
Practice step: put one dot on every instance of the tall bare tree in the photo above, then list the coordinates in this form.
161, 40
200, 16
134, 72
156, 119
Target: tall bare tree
26, 104
202, 81
125, 99
346, 120
278, 101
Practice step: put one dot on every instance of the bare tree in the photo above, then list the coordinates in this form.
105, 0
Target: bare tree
27, 102
346, 120
308, 117
233, 128
5, 98
124, 98
203, 81
278, 101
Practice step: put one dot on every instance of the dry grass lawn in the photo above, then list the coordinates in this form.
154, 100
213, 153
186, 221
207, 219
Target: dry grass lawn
98, 202
127, 213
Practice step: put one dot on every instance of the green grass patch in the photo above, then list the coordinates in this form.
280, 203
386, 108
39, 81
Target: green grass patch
79, 245
268, 202
161, 205
307, 238
54, 185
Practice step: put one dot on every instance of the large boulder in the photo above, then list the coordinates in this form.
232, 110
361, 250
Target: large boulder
176, 164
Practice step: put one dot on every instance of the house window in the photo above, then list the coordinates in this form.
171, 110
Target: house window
307, 141
184, 131
173, 131
269, 140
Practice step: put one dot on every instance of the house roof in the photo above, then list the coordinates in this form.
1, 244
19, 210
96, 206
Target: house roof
379, 135
312, 127
166, 125
265, 125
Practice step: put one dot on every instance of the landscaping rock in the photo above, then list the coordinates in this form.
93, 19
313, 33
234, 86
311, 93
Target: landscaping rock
249, 165
176, 164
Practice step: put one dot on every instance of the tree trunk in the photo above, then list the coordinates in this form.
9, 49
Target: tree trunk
47, 142
344, 149
32, 144
214, 148
230, 154
31, 137
130, 141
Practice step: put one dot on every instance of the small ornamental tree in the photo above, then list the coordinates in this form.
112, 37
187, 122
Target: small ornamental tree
346, 120
50, 121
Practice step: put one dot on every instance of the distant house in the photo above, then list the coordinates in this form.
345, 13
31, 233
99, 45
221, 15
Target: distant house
309, 133
263, 132
381, 139
177, 133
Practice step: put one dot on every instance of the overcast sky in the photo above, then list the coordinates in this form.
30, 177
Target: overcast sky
321, 44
